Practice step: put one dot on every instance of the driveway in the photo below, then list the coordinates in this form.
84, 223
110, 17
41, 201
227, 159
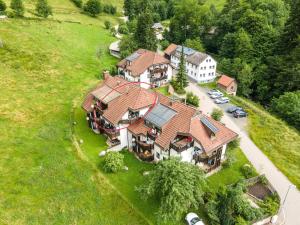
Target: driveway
261, 163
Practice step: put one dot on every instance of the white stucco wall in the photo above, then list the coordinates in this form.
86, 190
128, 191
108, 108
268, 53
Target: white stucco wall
223, 151
123, 135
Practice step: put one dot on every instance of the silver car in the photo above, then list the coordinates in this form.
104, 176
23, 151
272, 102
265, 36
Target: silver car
222, 100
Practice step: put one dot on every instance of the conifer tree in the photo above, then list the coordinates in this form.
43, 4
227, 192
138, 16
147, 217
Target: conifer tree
2, 6
43, 9
181, 77
18, 8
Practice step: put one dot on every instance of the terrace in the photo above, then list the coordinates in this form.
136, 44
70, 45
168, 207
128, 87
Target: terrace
182, 144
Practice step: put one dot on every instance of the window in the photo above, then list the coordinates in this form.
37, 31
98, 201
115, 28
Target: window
157, 155
201, 68
211, 162
207, 60
210, 60
205, 67
212, 73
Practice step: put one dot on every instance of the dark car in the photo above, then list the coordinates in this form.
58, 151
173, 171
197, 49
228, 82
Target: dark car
232, 109
239, 113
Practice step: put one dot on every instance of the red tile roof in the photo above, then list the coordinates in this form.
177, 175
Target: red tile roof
186, 121
203, 136
144, 60
225, 80
171, 48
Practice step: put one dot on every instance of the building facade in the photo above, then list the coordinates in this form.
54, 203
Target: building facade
200, 67
147, 67
154, 126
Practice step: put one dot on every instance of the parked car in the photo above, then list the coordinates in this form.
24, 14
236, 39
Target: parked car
217, 95
213, 91
222, 100
193, 219
232, 109
239, 113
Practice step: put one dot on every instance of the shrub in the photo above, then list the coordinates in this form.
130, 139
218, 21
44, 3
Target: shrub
229, 161
270, 205
192, 99
240, 221
248, 171
234, 144
43, 9
113, 162
123, 29
113, 31
131, 25
78, 3
2, 6
18, 8
109, 9
263, 180
107, 24
164, 44
217, 114
92, 7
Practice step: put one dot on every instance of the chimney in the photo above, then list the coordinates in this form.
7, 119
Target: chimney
105, 74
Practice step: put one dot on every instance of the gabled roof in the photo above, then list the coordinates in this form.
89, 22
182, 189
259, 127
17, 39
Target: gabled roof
141, 60
225, 80
171, 48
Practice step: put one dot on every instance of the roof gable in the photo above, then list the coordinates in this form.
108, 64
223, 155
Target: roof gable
225, 80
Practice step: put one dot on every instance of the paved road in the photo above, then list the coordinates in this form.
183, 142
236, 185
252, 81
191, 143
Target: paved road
261, 163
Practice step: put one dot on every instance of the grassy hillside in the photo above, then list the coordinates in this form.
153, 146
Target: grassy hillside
44, 65
275, 138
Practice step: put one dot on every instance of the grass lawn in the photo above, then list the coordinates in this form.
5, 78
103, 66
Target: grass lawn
163, 90
231, 174
211, 85
275, 138
124, 181
44, 65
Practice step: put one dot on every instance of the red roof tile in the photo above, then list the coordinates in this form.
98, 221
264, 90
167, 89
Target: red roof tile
143, 62
225, 80
171, 48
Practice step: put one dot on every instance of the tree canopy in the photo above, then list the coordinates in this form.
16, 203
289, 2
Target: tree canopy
18, 8
177, 185
43, 9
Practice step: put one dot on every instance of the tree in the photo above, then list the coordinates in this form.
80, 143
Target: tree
287, 106
192, 99
43, 9
92, 7
2, 6
181, 77
245, 79
144, 34
127, 45
177, 185
78, 3
107, 24
217, 114
18, 8
195, 44
113, 162
130, 8
123, 29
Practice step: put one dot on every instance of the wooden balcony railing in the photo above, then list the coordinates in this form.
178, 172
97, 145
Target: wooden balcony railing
145, 146
178, 146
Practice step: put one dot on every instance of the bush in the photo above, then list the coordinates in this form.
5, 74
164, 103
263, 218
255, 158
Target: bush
164, 44
234, 144
270, 205
131, 25
217, 114
229, 161
2, 6
107, 24
248, 171
113, 162
78, 3
43, 9
18, 8
192, 99
123, 29
109, 9
287, 106
92, 7
113, 31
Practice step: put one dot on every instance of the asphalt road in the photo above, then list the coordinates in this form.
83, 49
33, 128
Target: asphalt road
291, 209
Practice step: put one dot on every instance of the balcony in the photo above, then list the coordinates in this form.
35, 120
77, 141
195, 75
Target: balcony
182, 145
145, 146
152, 135
155, 79
146, 156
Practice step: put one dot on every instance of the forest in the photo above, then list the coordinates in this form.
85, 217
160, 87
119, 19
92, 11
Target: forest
254, 41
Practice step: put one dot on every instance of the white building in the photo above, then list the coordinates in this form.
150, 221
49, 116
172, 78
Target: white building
147, 67
154, 126
200, 67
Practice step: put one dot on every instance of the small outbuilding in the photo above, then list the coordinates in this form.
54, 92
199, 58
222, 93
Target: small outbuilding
114, 49
227, 84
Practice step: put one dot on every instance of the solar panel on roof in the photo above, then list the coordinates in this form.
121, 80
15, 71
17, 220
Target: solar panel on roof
133, 56
160, 115
209, 125
186, 50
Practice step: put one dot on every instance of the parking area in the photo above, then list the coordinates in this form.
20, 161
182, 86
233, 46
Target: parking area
207, 105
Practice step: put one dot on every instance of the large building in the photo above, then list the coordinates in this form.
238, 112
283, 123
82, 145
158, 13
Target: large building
200, 67
147, 67
154, 126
